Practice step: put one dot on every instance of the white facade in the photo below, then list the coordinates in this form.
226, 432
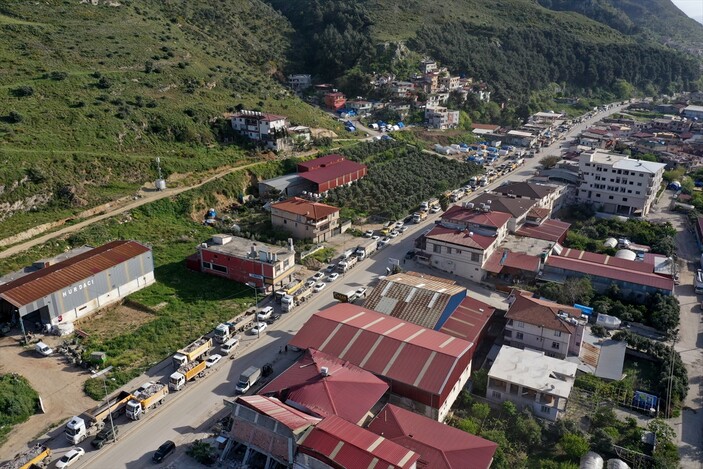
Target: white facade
268, 129
441, 118
521, 334
299, 82
618, 184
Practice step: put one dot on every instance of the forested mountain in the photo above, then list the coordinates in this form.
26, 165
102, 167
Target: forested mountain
517, 46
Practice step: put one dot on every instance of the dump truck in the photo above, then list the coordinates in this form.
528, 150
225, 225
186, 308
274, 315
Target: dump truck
81, 427
192, 352
148, 395
38, 456
366, 248
247, 379
419, 216
289, 302
186, 373
225, 331
289, 290
346, 265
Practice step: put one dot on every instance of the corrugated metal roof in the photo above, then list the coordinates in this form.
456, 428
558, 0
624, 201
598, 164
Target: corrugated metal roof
457, 213
516, 260
286, 415
468, 320
516, 207
409, 296
311, 210
461, 237
333, 171
351, 446
41, 283
525, 189
439, 446
322, 161
386, 346
549, 230
348, 391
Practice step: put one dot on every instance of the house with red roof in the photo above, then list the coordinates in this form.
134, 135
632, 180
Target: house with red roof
540, 324
464, 240
439, 446
322, 385
330, 171
305, 219
335, 100
425, 369
268, 130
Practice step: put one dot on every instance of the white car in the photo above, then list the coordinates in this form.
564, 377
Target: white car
375, 237
318, 276
393, 234
332, 277
398, 224
265, 313
212, 360
309, 284
70, 458
435, 209
360, 292
403, 229
319, 287
259, 328
368, 233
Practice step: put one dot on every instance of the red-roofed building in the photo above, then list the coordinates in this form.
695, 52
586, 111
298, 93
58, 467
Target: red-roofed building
267, 129
539, 324
304, 219
343, 445
469, 321
548, 230
335, 100
439, 446
426, 369
321, 162
463, 241
322, 385
330, 171
506, 262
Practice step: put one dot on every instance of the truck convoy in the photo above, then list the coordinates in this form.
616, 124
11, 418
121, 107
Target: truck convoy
366, 248
149, 395
247, 379
186, 373
80, 427
347, 264
192, 352
419, 216
37, 456
225, 331
289, 290
289, 302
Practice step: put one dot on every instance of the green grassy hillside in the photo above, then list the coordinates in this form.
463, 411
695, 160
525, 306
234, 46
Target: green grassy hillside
89, 94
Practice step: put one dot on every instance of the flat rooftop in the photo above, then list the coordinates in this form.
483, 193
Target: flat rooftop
241, 247
282, 182
529, 246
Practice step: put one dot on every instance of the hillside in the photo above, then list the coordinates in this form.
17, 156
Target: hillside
91, 91
518, 46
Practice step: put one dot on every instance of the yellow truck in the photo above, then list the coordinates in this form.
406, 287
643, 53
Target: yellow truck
186, 373
192, 352
37, 456
148, 395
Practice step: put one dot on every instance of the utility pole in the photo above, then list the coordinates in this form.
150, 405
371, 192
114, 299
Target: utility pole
103, 373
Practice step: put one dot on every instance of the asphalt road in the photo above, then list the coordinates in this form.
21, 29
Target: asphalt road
189, 413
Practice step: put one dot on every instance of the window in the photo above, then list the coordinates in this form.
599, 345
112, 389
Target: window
458, 251
207, 265
639, 183
475, 257
496, 395
555, 345
286, 263
545, 409
557, 333
610, 197
285, 222
597, 195
449, 250
624, 199
520, 324
519, 336
437, 248
637, 192
219, 268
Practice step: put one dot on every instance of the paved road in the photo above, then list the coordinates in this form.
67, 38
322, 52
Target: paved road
188, 414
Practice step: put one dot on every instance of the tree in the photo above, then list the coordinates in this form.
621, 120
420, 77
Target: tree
549, 161
14, 117
104, 83
573, 445
444, 201
480, 411
148, 66
23, 91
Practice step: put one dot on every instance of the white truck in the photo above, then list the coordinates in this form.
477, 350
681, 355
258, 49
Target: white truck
148, 396
80, 427
346, 265
289, 302
366, 248
247, 379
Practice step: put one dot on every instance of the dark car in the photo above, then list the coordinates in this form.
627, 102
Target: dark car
274, 317
106, 435
164, 450
409, 255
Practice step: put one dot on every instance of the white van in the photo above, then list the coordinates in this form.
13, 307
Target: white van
43, 349
229, 346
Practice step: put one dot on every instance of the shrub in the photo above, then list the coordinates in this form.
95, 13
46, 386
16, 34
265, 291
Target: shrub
14, 117
23, 91
574, 446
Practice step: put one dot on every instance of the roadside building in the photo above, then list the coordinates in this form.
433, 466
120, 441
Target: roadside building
618, 184
520, 138
531, 380
546, 196
441, 118
538, 324
330, 171
693, 112
75, 287
517, 208
335, 100
299, 82
322, 385
439, 446
484, 129
360, 106
269, 130
426, 369
304, 219
265, 266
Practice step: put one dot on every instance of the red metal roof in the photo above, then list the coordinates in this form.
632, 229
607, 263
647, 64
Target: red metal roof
549, 230
461, 237
468, 320
311, 210
350, 446
515, 260
459, 214
347, 390
439, 446
385, 346
331, 172
31, 287
292, 418
538, 312
611, 271
320, 162
606, 260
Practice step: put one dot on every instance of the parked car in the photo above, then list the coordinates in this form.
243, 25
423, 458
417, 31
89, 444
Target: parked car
332, 277
403, 229
164, 450
106, 435
331, 268
398, 224
213, 359
319, 287
259, 328
43, 349
274, 318
409, 255
318, 276
265, 313
435, 209
368, 233
70, 458
309, 284
376, 237
360, 292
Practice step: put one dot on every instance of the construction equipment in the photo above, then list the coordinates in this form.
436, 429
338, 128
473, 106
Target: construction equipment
186, 373
36, 456
192, 352
148, 395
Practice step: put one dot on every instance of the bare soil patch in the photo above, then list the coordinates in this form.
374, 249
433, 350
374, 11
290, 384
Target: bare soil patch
113, 321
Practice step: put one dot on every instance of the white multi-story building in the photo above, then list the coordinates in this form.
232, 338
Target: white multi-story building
441, 118
299, 82
618, 184
268, 129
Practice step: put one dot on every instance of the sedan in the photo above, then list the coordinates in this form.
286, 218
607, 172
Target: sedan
309, 284
212, 360
435, 209
259, 328
393, 234
318, 276
332, 277
368, 233
375, 237
319, 287
398, 224
331, 268
70, 458
403, 229
360, 292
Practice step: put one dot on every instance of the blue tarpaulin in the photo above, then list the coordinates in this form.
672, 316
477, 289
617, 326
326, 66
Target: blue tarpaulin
587, 310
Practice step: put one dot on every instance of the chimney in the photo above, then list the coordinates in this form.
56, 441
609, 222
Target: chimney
252, 253
324, 371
